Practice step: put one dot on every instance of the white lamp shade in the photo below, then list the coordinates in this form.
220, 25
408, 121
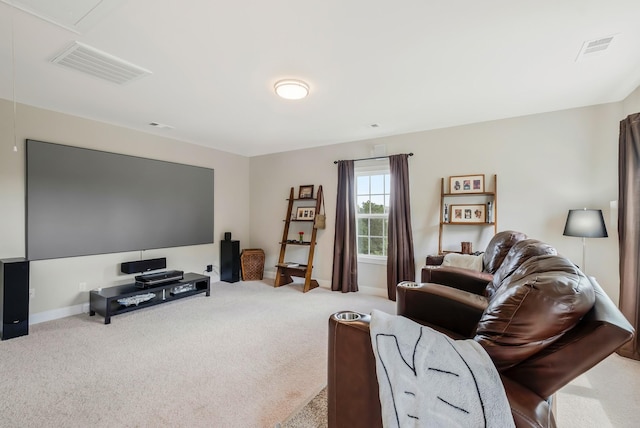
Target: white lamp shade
585, 224
290, 89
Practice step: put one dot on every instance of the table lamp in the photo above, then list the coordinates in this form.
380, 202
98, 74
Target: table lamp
585, 223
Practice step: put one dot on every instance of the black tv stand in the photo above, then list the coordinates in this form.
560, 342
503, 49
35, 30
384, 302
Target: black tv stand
105, 301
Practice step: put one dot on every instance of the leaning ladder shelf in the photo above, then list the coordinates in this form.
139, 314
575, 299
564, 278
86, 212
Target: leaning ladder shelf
285, 271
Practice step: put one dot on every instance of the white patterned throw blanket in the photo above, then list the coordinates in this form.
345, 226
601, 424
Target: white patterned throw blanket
430, 380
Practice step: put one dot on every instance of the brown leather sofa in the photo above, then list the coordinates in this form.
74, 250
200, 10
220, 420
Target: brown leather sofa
541, 320
465, 279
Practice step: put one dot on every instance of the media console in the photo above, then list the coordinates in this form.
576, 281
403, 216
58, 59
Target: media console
130, 297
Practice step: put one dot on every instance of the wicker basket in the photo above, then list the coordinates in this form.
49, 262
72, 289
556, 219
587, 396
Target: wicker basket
252, 261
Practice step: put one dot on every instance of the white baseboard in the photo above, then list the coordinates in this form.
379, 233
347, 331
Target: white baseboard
55, 314
83, 308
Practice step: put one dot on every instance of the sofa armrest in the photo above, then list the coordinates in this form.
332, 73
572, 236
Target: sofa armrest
460, 278
441, 307
434, 260
353, 392
601, 332
352, 385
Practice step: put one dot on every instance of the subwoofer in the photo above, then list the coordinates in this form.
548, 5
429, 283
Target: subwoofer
14, 298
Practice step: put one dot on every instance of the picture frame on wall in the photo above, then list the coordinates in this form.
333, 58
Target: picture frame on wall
468, 213
306, 192
305, 213
466, 184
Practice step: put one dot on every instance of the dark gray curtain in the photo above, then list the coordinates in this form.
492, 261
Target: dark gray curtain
629, 227
400, 260
345, 252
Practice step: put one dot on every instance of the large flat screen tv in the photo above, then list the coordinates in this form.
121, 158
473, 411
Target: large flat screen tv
81, 202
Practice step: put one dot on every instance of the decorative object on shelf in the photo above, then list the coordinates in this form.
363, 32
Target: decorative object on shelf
306, 213
288, 264
466, 247
467, 261
446, 213
468, 213
306, 192
466, 184
136, 300
301, 236
583, 224
321, 219
183, 288
489, 212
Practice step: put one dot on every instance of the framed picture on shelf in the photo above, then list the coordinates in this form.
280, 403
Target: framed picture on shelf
466, 184
306, 192
306, 213
468, 213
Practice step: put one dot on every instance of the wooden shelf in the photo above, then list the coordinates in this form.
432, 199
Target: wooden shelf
488, 197
285, 272
480, 223
453, 195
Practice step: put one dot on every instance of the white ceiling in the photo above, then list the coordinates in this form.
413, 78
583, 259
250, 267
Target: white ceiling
406, 65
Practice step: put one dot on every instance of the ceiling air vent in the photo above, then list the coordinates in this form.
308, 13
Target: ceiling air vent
591, 47
99, 64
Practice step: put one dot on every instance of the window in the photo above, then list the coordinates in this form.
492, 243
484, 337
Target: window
372, 212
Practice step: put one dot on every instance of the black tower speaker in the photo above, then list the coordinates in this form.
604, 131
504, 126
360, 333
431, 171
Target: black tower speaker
230, 261
14, 298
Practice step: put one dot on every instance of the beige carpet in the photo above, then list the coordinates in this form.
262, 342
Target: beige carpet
248, 356
312, 415
604, 397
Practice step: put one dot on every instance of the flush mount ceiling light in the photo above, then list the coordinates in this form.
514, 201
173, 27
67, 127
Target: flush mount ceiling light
290, 89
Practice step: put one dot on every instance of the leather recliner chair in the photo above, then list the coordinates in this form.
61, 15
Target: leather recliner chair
545, 324
468, 280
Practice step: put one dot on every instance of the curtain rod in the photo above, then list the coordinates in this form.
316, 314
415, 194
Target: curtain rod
363, 159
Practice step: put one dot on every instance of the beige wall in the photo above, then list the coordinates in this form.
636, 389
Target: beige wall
632, 103
546, 164
57, 282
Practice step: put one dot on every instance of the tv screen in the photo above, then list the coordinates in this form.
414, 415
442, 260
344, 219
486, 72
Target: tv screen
81, 202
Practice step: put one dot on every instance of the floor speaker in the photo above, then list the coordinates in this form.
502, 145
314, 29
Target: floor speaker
14, 298
230, 261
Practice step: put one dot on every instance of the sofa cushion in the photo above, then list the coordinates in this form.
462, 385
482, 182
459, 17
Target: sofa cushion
518, 254
466, 261
545, 297
498, 248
